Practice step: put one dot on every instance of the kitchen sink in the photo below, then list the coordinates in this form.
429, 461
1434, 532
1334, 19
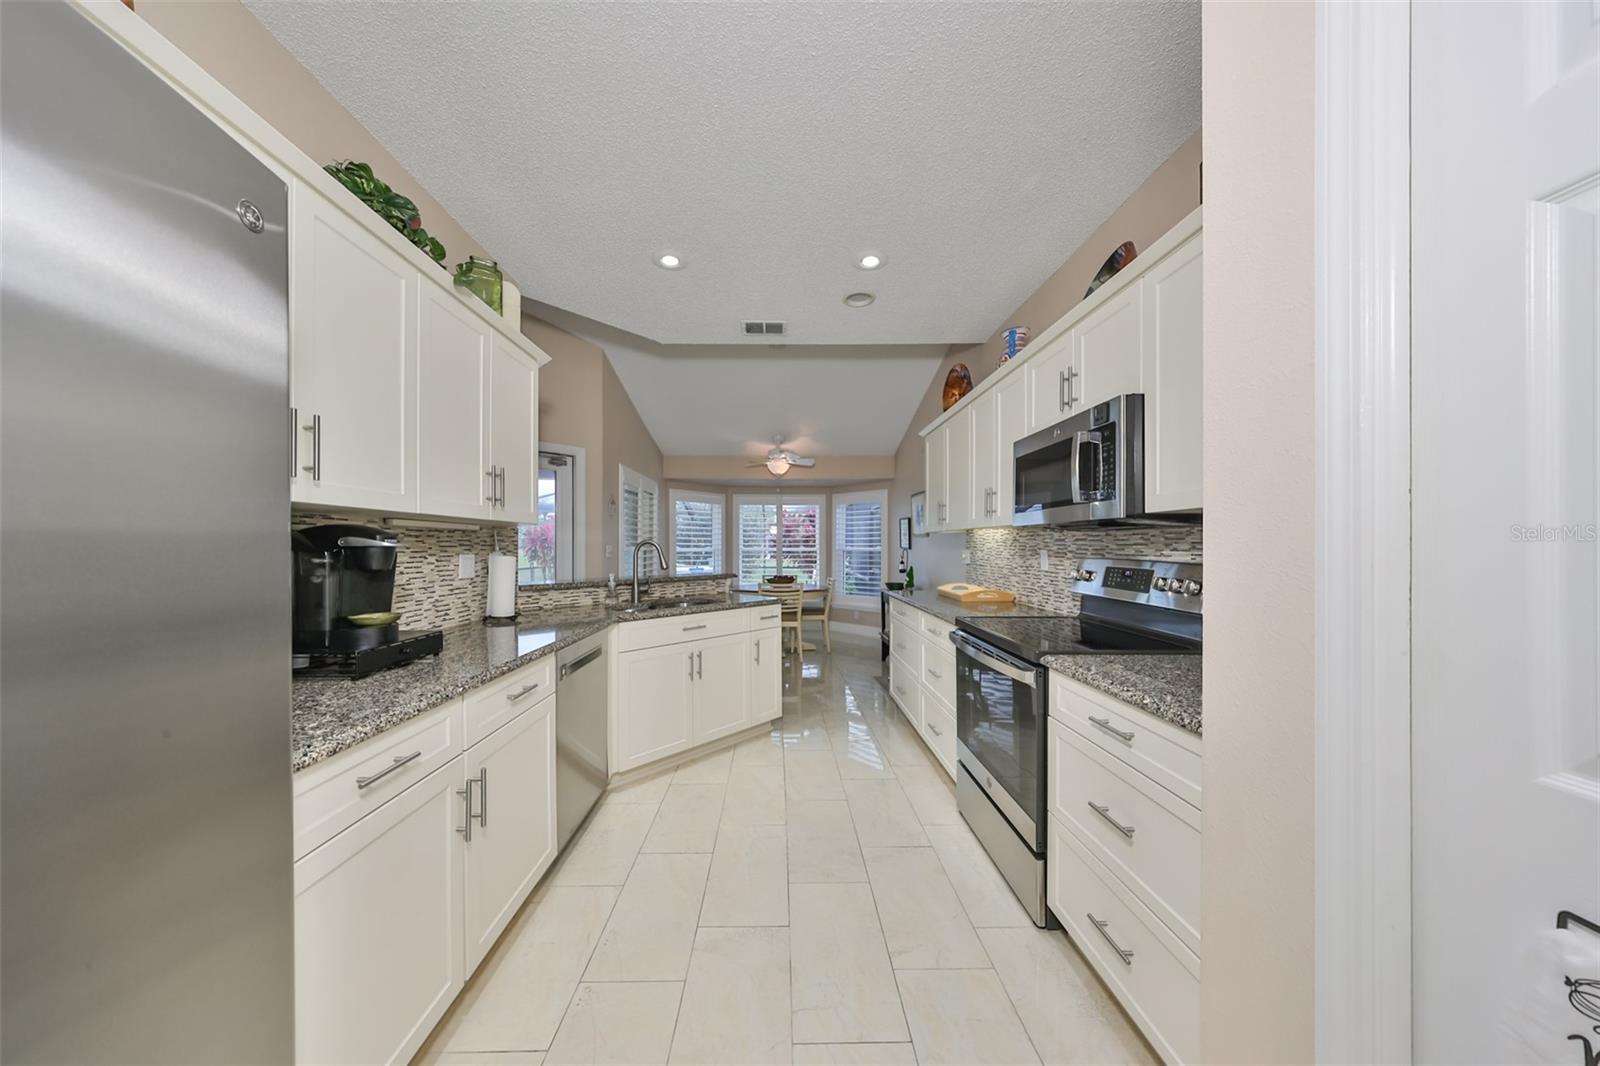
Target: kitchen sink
655, 607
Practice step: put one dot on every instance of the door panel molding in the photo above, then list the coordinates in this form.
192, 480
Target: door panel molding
1363, 534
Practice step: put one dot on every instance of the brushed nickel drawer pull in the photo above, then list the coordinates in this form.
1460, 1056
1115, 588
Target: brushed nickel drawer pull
934, 673
769, 618
1105, 723
465, 828
936, 730
1104, 811
1100, 927
512, 697
691, 629
399, 761
483, 796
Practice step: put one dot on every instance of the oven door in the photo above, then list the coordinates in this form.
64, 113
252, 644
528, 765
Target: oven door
1000, 726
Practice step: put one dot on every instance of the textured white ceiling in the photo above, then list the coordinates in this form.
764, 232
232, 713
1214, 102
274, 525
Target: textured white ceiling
733, 399
973, 145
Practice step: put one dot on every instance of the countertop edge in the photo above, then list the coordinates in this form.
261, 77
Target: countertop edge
1163, 688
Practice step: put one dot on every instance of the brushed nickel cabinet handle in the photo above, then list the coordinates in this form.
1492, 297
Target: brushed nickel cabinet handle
1061, 392
494, 496
512, 697
314, 427
936, 730
1104, 811
691, 629
699, 665
483, 796
1100, 927
399, 761
758, 652
465, 828
1105, 724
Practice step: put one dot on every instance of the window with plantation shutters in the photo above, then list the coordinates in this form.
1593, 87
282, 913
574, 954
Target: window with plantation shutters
696, 532
778, 535
858, 547
636, 520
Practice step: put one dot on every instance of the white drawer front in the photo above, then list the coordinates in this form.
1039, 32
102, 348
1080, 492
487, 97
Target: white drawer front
655, 632
904, 613
905, 690
1164, 752
939, 730
939, 670
334, 794
769, 616
1158, 983
937, 630
1144, 834
492, 706
905, 643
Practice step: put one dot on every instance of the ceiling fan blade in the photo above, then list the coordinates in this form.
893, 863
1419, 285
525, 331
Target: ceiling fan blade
801, 460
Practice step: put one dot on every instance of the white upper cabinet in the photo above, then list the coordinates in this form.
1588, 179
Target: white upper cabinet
1172, 373
407, 398
938, 501
1140, 333
958, 512
1106, 361
1051, 377
514, 430
984, 415
353, 363
454, 474
1011, 425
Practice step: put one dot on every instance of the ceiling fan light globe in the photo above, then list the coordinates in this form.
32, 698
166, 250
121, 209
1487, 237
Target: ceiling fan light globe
778, 465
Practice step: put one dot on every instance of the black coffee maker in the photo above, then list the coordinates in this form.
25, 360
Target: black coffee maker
343, 577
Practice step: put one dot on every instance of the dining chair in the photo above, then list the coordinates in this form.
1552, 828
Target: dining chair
819, 608
790, 605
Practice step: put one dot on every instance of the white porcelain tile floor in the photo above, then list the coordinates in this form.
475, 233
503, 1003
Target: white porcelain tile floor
810, 895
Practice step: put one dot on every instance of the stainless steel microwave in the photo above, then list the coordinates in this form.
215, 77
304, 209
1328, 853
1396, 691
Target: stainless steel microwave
1086, 469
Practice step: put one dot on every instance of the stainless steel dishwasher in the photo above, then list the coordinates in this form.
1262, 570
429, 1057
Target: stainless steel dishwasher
581, 765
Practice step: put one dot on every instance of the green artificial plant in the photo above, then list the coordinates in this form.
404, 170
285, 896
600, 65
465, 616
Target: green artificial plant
399, 211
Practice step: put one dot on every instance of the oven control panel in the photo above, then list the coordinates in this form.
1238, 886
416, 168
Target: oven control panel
1159, 582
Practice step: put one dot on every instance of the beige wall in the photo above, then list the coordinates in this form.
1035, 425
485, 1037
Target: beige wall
1257, 994
627, 441
571, 413
1166, 196
830, 469
224, 38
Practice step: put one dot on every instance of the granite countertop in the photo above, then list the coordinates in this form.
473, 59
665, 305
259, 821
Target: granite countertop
1167, 686
929, 600
329, 715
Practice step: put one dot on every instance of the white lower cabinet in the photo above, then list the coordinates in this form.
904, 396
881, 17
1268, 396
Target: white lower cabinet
1124, 856
511, 840
922, 678
721, 687
766, 675
1151, 972
377, 917
655, 710
689, 680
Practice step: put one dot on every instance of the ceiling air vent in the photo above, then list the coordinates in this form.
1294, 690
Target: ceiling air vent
763, 329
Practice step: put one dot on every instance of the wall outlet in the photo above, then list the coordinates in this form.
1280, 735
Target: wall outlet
1044, 559
466, 566
610, 550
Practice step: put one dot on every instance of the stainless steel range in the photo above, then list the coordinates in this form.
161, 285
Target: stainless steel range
1130, 607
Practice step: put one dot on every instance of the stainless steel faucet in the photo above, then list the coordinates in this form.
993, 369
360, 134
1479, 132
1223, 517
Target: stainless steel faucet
637, 548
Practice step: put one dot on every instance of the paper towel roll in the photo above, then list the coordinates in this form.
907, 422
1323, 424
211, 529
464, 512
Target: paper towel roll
502, 585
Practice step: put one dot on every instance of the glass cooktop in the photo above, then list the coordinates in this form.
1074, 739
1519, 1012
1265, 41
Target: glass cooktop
1031, 639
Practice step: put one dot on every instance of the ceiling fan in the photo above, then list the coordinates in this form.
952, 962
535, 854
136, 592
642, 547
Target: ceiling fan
779, 459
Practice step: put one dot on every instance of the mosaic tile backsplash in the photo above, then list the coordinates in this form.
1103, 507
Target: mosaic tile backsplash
1009, 558
429, 595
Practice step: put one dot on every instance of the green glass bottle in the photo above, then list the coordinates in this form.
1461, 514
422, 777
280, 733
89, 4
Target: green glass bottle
481, 277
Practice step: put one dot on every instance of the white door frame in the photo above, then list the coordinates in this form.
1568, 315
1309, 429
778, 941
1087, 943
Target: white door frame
580, 513
1363, 533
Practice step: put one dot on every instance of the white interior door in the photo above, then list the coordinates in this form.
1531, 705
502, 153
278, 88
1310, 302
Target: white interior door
1506, 733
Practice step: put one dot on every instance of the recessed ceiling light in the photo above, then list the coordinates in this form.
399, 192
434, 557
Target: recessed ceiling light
859, 299
668, 261
871, 262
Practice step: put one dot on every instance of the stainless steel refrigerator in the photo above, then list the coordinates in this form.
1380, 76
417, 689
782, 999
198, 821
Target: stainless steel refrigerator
145, 862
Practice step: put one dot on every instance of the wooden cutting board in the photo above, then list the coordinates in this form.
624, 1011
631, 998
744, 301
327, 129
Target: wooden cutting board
962, 593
